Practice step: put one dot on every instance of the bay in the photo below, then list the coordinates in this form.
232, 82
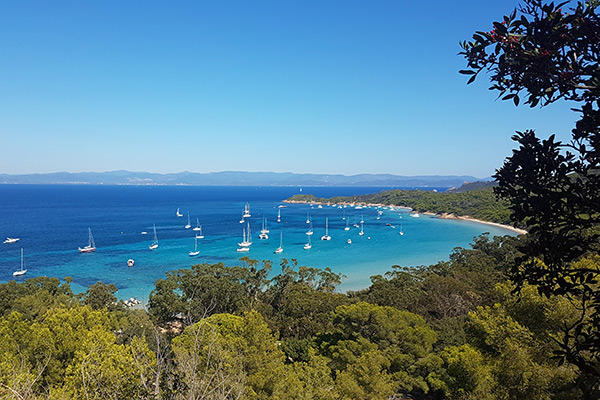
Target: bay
52, 222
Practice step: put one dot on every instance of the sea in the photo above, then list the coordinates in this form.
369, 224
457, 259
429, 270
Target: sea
52, 222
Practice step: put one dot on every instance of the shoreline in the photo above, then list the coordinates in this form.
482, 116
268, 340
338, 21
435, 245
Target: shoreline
479, 221
438, 215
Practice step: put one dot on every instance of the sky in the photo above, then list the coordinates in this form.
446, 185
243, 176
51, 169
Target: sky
334, 87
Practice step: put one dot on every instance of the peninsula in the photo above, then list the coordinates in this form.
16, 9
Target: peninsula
478, 205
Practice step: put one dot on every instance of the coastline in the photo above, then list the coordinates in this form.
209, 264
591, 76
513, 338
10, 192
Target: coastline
439, 215
479, 221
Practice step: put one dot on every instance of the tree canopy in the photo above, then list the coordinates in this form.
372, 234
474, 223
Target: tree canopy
547, 52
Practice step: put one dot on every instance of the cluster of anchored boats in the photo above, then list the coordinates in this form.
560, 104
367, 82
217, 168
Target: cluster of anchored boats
243, 246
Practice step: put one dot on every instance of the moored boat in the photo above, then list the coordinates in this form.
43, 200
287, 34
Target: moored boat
21, 271
280, 248
91, 246
326, 236
154, 244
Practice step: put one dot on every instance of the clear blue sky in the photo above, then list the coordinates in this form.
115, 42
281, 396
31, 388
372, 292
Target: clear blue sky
302, 86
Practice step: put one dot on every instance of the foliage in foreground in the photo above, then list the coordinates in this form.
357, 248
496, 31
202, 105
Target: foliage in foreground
453, 330
546, 52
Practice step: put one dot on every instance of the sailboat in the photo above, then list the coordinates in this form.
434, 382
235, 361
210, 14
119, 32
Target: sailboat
280, 248
91, 245
247, 211
195, 252
401, 231
154, 244
245, 244
362, 231
308, 245
310, 230
247, 240
199, 235
189, 225
179, 214
264, 229
21, 271
307, 218
347, 228
278, 215
11, 240
264, 232
326, 236
197, 227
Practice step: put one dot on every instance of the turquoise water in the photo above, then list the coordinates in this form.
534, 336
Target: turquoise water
53, 221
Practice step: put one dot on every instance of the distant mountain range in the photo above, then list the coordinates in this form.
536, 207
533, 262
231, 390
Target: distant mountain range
238, 178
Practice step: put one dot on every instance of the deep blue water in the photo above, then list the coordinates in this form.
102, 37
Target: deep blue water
52, 222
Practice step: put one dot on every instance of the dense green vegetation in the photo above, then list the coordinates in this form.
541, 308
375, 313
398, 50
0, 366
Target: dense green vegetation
480, 203
547, 53
453, 330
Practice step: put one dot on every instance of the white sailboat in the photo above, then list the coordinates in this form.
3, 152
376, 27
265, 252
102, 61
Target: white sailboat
195, 252
414, 214
154, 244
21, 271
310, 229
246, 240
264, 232
401, 231
189, 225
308, 245
362, 230
178, 213
280, 248
278, 215
326, 236
197, 227
347, 228
245, 244
199, 235
91, 246
307, 218
265, 228
247, 211
11, 240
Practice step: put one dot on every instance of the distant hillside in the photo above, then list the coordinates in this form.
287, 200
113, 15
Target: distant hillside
467, 186
233, 178
480, 203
